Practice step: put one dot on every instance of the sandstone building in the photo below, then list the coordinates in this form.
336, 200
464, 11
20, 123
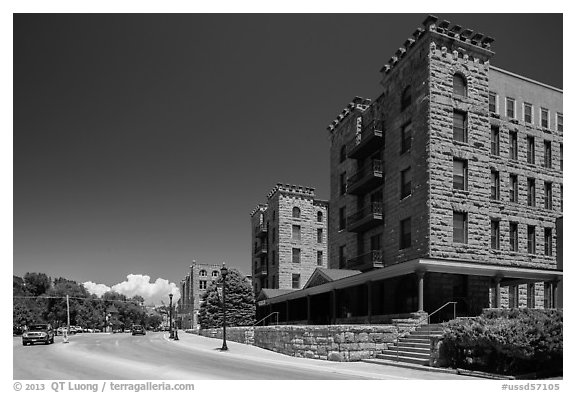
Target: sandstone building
447, 187
289, 238
192, 287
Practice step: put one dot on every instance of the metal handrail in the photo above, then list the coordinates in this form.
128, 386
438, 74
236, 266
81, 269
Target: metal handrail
434, 312
266, 317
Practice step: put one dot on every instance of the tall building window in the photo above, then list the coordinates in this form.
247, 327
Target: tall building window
406, 183
511, 107
203, 273
343, 183
495, 141
513, 236
343, 153
460, 227
215, 274
527, 113
548, 241
406, 141
406, 99
544, 118
495, 234
319, 217
405, 233
459, 87
342, 218
531, 192
295, 255
296, 232
319, 235
493, 102
295, 281
296, 212
513, 188
561, 157
513, 139
547, 154
319, 258
548, 195
531, 239
376, 242
342, 257
495, 185
273, 257
531, 295
513, 296
460, 174
274, 235
530, 150
559, 122
202, 284
460, 126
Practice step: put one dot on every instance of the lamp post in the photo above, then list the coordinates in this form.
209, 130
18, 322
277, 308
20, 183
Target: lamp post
224, 272
170, 321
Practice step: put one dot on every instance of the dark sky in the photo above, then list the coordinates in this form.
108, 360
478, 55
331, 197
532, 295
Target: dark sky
142, 142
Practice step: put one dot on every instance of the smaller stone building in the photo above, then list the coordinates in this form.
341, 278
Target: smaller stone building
289, 238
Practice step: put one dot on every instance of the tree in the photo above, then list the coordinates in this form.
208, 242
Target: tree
37, 283
240, 304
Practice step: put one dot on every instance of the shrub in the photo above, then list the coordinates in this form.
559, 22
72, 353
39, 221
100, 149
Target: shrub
511, 341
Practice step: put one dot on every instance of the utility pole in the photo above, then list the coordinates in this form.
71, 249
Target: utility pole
67, 333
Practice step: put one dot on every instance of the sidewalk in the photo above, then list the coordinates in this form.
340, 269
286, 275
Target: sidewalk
256, 354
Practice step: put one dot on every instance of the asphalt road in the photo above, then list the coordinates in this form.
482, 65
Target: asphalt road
122, 356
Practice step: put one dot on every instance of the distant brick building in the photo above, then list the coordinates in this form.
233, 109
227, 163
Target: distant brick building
289, 238
447, 187
192, 287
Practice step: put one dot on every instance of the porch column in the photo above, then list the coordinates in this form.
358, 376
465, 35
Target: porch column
369, 297
333, 305
420, 291
308, 309
497, 294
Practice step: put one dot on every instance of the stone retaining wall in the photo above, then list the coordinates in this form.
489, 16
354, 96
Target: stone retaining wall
342, 343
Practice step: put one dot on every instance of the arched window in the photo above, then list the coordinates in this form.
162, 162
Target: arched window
343, 153
459, 85
214, 273
319, 217
296, 212
203, 273
406, 98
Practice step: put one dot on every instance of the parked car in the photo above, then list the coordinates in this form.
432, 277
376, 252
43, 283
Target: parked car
39, 332
138, 329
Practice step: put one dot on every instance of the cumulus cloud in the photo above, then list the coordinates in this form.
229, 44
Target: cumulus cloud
137, 284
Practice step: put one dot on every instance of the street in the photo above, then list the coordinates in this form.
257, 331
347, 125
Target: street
155, 357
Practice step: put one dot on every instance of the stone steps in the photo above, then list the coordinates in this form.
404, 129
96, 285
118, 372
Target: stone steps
414, 348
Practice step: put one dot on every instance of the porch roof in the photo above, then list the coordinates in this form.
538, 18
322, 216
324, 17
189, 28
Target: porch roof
421, 265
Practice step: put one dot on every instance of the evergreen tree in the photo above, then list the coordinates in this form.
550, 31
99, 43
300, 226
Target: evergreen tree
240, 303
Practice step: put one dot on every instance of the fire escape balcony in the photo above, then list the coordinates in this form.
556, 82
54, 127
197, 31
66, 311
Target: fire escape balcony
261, 270
261, 249
369, 217
367, 261
370, 139
261, 230
365, 179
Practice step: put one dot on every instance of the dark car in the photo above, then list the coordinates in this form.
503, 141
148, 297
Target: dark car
138, 329
38, 333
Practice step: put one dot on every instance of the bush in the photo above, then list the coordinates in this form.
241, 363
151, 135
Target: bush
507, 341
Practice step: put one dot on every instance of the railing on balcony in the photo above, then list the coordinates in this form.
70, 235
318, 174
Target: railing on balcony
366, 178
261, 230
261, 249
370, 139
370, 260
261, 270
366, 218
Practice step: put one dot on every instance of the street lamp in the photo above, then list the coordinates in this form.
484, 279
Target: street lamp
224, 273
170, 322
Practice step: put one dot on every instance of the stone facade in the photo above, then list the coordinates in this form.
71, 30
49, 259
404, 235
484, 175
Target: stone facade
278, 229
192, 287
437, 77
342, 343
